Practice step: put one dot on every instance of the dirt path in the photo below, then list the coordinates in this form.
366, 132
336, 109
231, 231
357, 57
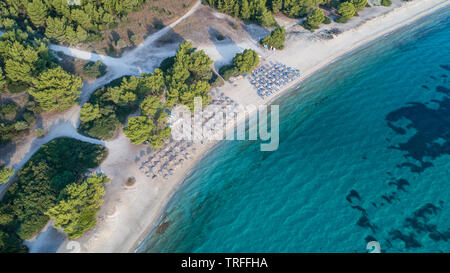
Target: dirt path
65, 124
131, 62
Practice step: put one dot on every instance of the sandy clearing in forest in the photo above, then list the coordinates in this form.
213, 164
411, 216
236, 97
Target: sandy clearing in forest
128, 214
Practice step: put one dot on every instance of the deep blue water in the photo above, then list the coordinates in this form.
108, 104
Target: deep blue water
364, 155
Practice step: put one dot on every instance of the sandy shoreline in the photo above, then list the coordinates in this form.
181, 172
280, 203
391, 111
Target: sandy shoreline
405, 17
163, 206
129, 214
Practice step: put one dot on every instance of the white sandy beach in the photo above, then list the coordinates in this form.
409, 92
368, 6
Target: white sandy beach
129, 213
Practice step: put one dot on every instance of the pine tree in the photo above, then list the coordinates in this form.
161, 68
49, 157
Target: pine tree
89, 112
20, 63
2, 79
275, 39
110, 5
107, 18
139, 129
55, 89
220, 5
5, 174
151, 105
246, 61
82, 34
76, 211
346, 10
359, 4
277, 5
82, 19
316, 17
155, 82
61, 6
56, 28
236, 9
264, 17
71, 35
229, 6
37, 11
245, 10
172, 97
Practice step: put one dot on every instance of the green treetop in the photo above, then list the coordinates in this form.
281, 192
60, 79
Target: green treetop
20, 62
246, 61
199, 89
37, 11
245, 10
151, 105
265, 18
5, 174
359, 4
78, 205
2, 79
90, 112
277, 5
120, 96
275, 39
155, 82
346, 10
139, 129
316, 17
56, 28
55, 89
157, 140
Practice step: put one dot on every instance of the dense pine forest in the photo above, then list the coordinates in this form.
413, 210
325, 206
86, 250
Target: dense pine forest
28, 70
30, 73
261, 11
46, 187
64, 22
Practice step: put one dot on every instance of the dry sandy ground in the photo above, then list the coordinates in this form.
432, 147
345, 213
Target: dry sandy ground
140, 23
129, 213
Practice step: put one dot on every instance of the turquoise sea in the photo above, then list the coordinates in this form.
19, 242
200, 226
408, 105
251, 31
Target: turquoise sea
364, 155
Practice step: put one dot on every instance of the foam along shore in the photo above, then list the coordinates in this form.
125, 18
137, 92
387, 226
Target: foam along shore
130, 212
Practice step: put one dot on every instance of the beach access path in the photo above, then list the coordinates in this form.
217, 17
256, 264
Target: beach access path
129, 213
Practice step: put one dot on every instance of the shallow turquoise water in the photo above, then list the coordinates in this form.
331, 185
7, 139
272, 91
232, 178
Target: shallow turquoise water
364, 155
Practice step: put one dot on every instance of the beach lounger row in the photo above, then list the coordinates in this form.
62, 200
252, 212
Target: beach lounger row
269, 78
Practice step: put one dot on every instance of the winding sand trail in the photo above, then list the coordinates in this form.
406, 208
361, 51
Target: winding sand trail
66, 124
131, 62
129, 213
